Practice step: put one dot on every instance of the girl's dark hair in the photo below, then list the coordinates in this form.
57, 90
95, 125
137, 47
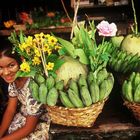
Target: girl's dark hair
6, 49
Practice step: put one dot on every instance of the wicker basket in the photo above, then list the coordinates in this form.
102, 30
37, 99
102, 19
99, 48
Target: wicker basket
134, 108
80, 117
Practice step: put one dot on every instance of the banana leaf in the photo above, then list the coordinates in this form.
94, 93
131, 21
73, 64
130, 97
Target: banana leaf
68, 46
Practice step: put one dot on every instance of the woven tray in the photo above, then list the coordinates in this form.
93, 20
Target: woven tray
80, 117
134, 108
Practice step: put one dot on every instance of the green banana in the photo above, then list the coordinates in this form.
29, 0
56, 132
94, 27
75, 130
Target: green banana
137, 94
50, 82
65, 100
118, 65
128, 57
82, 80
74, 98
85, 96
104, 89
59, 85
123, 55
124, 66
124, 90
94, 91
43, 93
101, 75
113, 62
110, 84
74, 86
52, 97
90, 77
134, 65
33, 86
134, 58
136, 80
120, 53
39, 78
128, 91
132, 76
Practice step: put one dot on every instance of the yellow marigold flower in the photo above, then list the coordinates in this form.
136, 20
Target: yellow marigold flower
45, 47
52, 40
49, 51
57, 47
29, 41
28, 51
25, 67
23, 46
47, 36
41, 35
36, 61
50, 66
37, 35
37, 53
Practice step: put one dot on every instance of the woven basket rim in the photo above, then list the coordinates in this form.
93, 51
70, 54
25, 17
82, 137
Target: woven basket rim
79, 117
130, 103
83, 108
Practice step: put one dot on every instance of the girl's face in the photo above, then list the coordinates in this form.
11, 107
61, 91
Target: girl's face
8, 68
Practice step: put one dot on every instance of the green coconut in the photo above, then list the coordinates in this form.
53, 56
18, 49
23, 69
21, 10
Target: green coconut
70, 69
131, 44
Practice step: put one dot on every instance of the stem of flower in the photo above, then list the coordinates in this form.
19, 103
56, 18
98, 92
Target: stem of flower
44, 58
65, 10
74, 19
135, 18
43, 61
103, 40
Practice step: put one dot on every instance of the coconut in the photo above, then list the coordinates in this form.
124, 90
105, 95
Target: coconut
70, 69
131, 44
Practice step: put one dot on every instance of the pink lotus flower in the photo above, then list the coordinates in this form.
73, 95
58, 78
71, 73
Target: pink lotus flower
106, 29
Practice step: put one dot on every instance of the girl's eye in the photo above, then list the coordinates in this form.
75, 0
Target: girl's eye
11, 65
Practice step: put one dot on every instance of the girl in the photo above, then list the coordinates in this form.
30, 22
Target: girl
24, 117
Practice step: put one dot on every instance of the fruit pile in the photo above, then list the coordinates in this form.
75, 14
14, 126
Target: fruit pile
85, 91
122, 61
131, 88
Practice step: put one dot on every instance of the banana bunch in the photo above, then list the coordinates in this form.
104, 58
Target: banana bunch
131, 88
121, 61
87, 90
45, 90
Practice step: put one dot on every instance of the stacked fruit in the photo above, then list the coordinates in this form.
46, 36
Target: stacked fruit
43, 90
121, 61
131, 88
76, 94
88, 90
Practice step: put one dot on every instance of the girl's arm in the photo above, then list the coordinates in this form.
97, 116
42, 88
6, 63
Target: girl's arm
8, 115
29, 127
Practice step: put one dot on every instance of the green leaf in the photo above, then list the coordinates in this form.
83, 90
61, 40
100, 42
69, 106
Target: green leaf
62, 51
68, 46
105, 57
21, 37
58, 64
52, 58
87, 41
25, 74
82, 56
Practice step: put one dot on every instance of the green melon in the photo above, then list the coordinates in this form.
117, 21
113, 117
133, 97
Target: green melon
70, 69
131, 44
